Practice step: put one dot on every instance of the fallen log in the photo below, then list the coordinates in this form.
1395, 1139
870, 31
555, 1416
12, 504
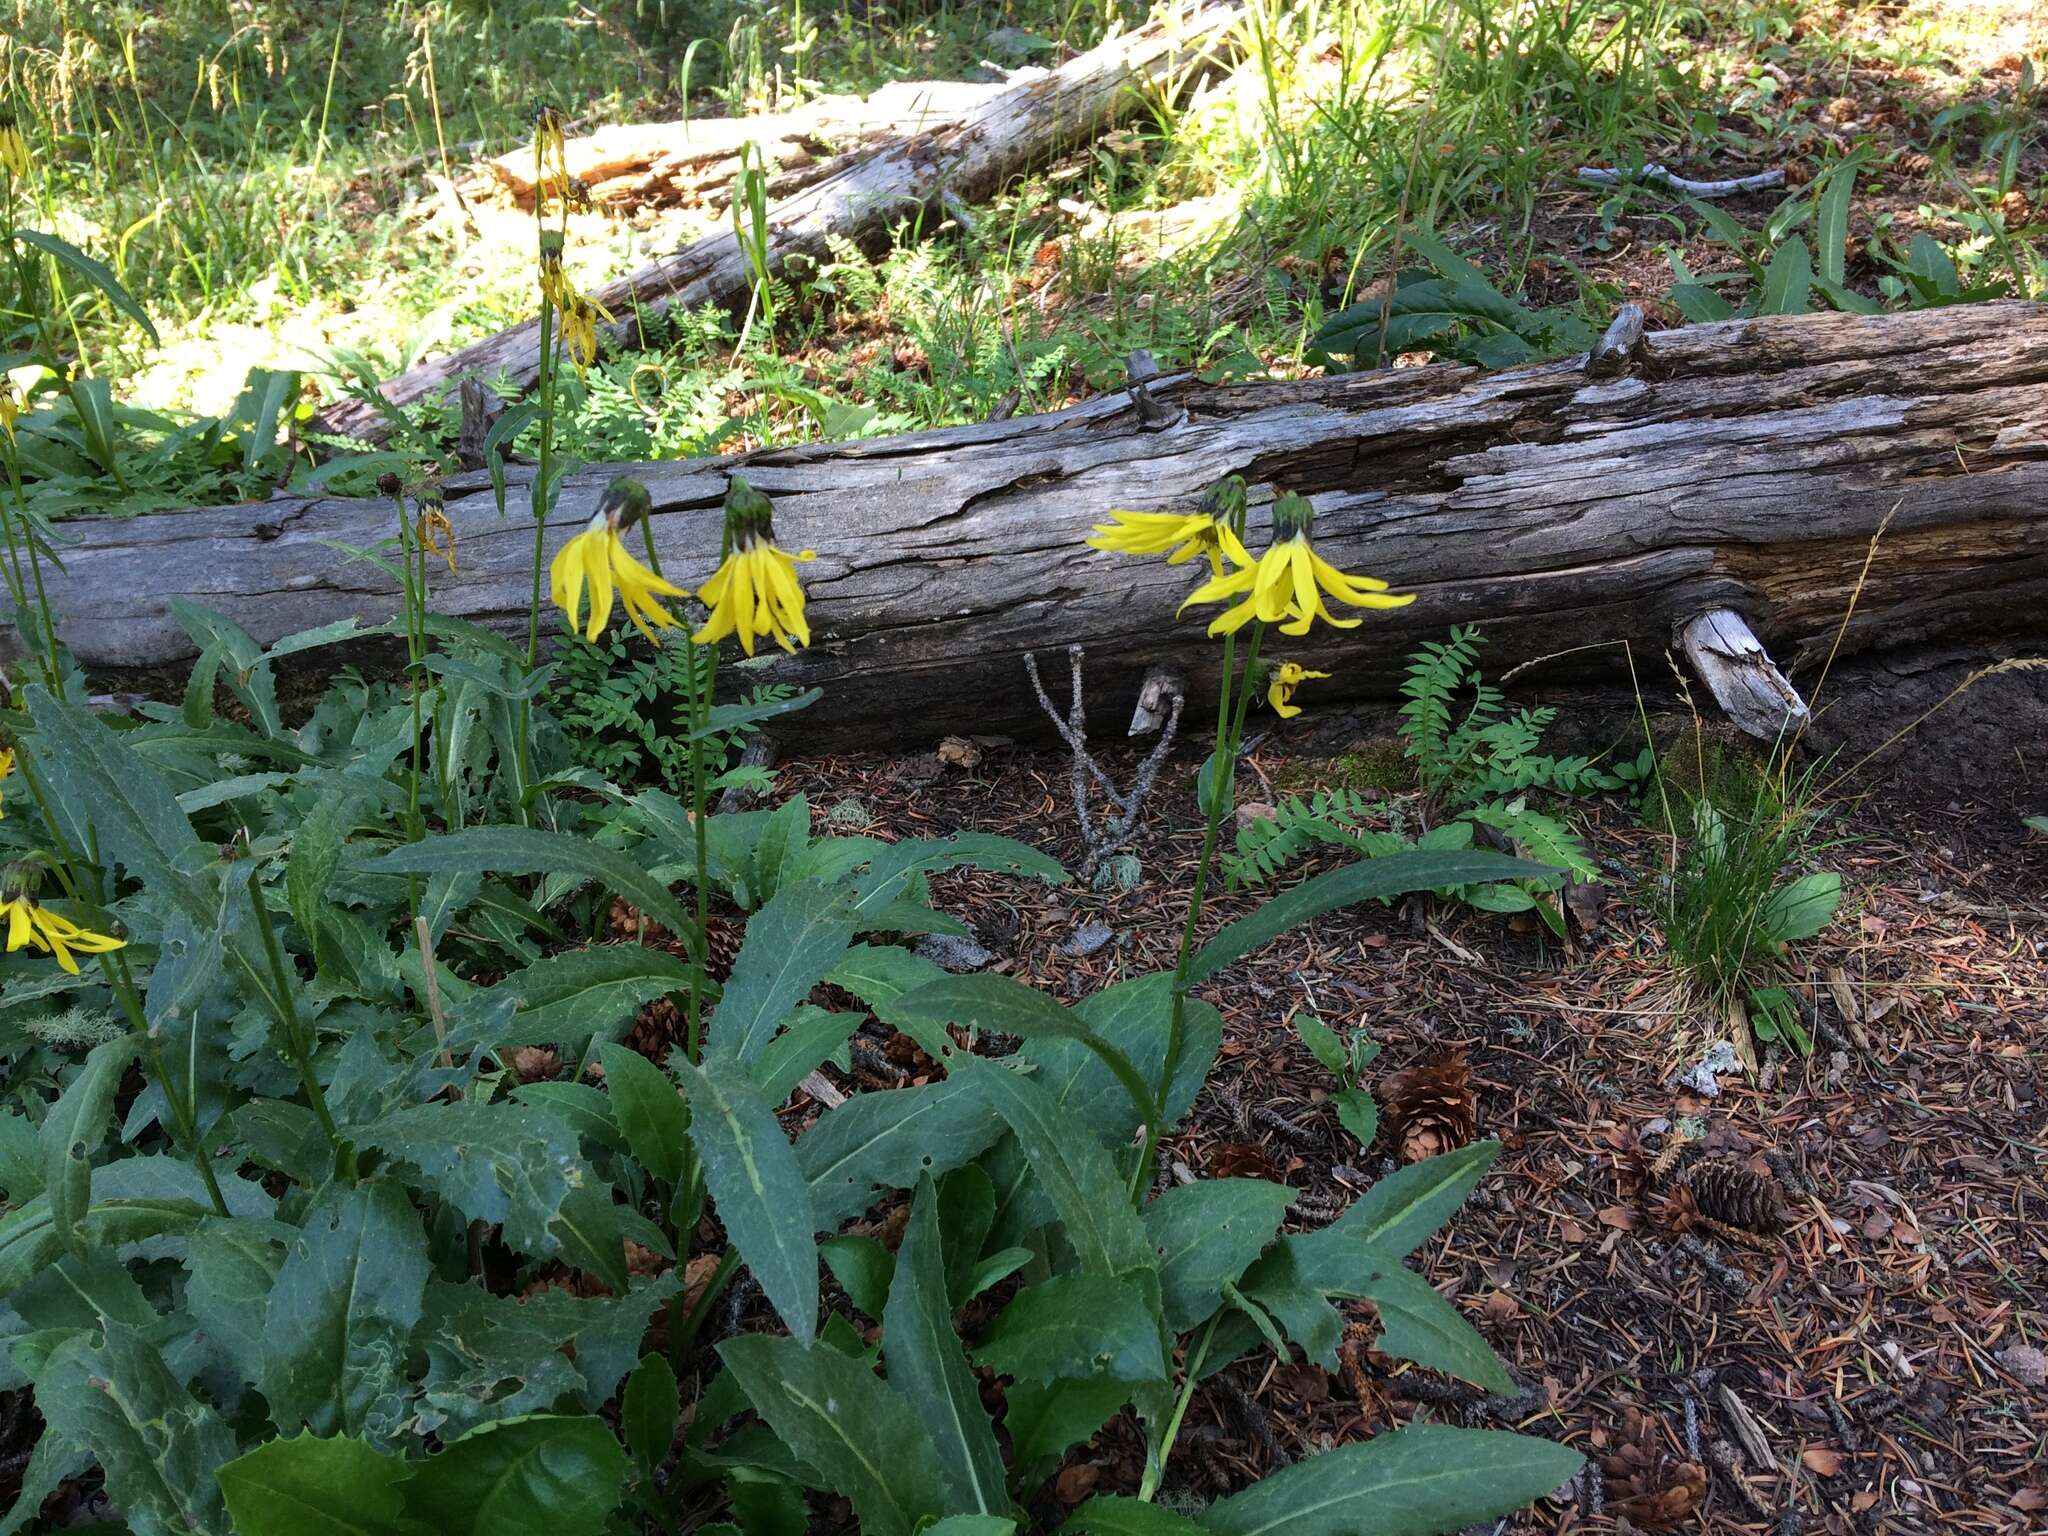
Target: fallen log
1024, 124
694, 160
1741, 468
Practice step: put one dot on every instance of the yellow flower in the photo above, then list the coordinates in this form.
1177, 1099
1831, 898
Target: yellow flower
6, 771
1289, 580
1287, 677
597, 558
1210, 530
579, 329
13, 147
437, 534
554, 282
755, 592
549, 142
29, 924
9, 409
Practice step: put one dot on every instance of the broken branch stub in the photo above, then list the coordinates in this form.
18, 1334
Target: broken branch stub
1758, 698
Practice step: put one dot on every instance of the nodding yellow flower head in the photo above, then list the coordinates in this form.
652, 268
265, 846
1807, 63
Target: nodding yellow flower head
596, 558
31, 926
13, 147
579, 329
1210, 530
1287, 677
550, 143
755, 591
554, 282
1289, 580
10, 407
436, 534
6, 772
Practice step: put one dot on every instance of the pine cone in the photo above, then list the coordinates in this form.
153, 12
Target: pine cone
1429, 1109
1731, 1194
535, 1064
658, 1028
722, 939
1647, 1482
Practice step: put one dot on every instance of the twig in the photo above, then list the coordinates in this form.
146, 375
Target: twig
1117, 827
1657, 175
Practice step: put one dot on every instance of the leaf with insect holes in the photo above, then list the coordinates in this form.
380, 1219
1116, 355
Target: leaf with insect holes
1077, 1326
509, 1165
1418, 1481
762, 1194
927, 1365
73, 1130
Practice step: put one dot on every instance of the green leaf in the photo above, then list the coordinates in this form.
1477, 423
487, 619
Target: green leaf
890, 1139
1134, 1016
502, 1164
967, 1210
342, 1310
95, 272
233, 1265
1926, 260
1077, 1326
882, 974
1787, 279
927, 1366
649, 1109
316, 850
1831, 217
1417, 1324
73, 1130
888, 874
728, 718
997, 1004
542, 1475
159, 1446
592, 1230
809, 1038
790, 944
970, 1525
1801, 909
1047, 1419
1393, 1218
568, 997
1075, 1171
116, 796
1207, 1234
1359, 1113
762, 1193
863, 1268
29, 1240
1415, 1482
1394, 874
1109, 1514
649, 1410
1323, 1044
530, 851
862, 1437
307, 1486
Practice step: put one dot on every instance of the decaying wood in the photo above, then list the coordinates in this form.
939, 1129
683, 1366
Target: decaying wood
1745, 682
1743, 466
863, 195
1658, 176
631, 165
1618, 344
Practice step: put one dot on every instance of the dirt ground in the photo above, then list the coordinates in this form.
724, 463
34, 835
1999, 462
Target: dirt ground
1875, 1367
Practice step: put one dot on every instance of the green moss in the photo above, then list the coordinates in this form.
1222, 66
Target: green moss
1380, 765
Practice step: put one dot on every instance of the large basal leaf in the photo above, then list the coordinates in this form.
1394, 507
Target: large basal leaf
307, 1486
889, 1140
1134, 1016
1206, 1235
927, 1365
809, 1038
991, 1003
1417, 1324
53, 1462
861, 1436
73, 1130
543, 1475
159, 1446
1047, 1419
1393, 874
110, 798
531, 851
1419, 1481
316, 848
502, 1164
233, 1265
887, 876
342, 1311
29, 1240
1110, 1514
790, 944
1074, 1171
649, 1110
568, 997
1076, 1326
762, 1194
1394, 1217
880, 975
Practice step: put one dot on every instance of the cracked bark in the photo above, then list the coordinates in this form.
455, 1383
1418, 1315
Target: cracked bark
1742, 466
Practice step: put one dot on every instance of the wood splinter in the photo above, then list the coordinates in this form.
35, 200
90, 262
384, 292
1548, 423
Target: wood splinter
1745, 682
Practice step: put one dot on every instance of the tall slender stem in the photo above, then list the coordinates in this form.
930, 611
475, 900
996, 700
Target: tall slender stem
1156, 1456
287, 1009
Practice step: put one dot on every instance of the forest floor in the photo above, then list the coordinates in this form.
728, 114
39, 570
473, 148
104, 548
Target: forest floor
1875, 1366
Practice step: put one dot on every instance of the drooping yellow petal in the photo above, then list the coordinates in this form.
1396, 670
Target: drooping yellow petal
20, 930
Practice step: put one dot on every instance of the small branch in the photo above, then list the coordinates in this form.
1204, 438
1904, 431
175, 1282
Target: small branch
1617, 346
1745, 682
1657, 175
1116, 829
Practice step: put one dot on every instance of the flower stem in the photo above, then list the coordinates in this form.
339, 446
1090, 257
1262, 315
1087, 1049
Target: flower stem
287, 1011
1156, 1456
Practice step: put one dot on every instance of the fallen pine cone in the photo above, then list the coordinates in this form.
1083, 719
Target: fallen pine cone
1647, 1482
1429, 1109
1732, 1195
535, 1064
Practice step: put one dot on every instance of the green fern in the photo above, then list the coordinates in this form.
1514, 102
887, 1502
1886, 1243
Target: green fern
1333, 818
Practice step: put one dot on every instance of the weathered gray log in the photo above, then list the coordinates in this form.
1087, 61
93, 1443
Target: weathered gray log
1020, 126
1743, 466
1758, 698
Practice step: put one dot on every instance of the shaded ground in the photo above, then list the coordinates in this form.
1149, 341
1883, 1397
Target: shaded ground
1873, 1369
